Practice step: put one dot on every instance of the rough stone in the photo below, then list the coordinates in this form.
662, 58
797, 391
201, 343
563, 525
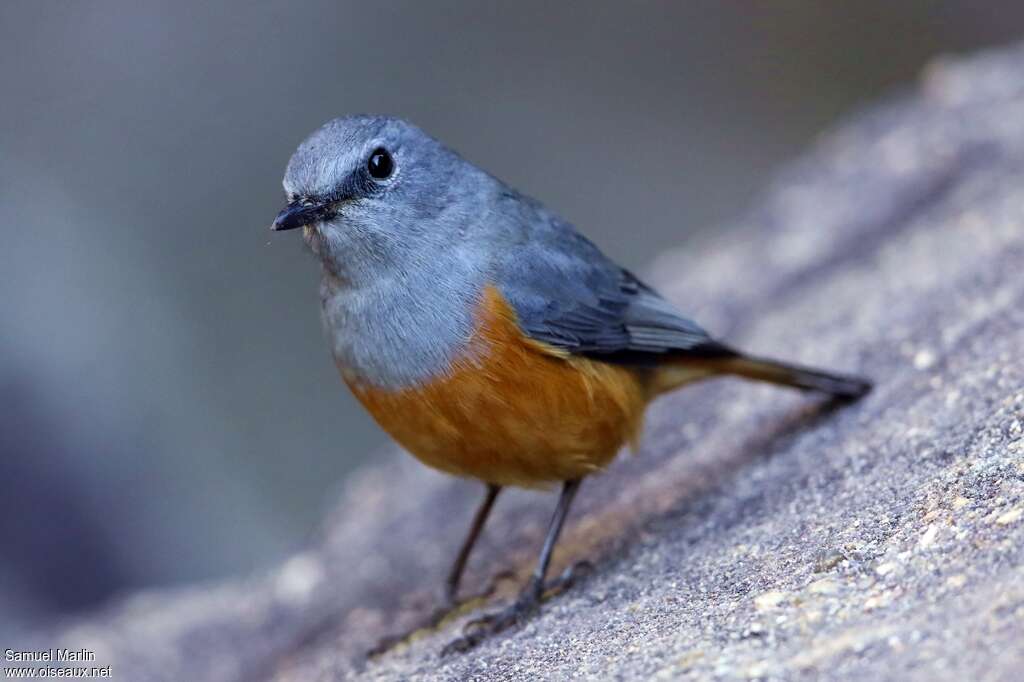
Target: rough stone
890, 527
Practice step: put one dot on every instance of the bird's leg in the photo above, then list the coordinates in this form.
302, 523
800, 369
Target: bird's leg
529, 598
451, 583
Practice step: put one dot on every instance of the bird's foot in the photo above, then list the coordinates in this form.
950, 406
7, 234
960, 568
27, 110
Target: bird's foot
448, 607
525, 605
431, 621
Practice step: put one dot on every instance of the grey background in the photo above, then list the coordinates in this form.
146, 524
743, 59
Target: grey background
168, 411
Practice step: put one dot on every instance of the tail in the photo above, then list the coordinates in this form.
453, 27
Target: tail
805, 378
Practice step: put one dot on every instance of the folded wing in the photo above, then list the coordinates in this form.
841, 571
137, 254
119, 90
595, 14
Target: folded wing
571, 296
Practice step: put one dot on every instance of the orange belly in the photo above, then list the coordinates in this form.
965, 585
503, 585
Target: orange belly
513, 411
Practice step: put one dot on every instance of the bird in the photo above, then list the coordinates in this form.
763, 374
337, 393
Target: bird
484, 333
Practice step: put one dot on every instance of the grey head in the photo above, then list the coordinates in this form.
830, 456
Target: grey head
399, 223
375, 194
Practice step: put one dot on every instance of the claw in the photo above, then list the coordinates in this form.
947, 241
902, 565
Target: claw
477, 630
439, 615
433, 619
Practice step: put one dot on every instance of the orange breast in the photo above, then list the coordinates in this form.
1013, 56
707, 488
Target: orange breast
513, 411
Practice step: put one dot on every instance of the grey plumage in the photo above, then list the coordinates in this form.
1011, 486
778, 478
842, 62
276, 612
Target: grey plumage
440, 224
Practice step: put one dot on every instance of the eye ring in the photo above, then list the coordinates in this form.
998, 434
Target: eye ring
380, 165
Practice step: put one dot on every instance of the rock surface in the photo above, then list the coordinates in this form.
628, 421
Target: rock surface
758, 533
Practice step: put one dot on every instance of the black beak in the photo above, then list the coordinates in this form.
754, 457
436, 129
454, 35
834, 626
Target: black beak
300, 214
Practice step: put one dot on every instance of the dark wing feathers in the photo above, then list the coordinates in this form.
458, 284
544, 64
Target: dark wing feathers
570, 295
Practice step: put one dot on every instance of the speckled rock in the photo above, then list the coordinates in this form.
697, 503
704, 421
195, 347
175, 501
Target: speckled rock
758, 534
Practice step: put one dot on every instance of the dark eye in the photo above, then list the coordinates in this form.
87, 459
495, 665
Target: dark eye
380, 163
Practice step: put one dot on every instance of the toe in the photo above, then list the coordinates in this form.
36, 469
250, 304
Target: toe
459, 646
480, 624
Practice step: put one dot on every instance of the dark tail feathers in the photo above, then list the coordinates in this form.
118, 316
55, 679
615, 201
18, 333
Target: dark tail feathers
806, 378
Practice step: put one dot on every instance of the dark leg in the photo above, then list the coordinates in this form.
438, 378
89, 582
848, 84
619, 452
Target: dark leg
530, 597
535, 586
451, 585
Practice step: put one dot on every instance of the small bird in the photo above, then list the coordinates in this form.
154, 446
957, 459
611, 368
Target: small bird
485, 334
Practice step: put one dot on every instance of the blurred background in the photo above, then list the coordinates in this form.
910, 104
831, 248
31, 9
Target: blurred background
168, 409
